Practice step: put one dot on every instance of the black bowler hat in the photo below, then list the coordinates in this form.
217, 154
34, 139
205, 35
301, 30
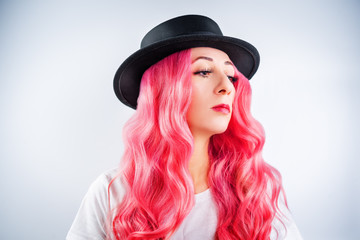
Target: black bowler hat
174, 35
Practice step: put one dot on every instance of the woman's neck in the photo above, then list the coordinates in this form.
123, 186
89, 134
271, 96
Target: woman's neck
199, 164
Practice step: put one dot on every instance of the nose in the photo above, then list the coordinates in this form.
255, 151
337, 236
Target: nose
225, 86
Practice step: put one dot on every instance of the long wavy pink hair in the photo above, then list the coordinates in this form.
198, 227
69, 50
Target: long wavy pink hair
158, 146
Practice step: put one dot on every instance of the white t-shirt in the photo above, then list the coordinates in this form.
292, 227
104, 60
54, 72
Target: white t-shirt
89, 223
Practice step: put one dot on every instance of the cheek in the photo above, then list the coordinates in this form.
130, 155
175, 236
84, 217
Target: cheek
198, 104
194, 108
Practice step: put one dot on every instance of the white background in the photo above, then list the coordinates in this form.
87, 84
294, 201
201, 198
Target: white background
61, 124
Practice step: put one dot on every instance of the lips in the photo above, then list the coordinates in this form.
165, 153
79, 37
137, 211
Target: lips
223, 108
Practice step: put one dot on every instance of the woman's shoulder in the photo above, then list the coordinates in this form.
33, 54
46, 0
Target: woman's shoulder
284, 226
90, 221
108, 183
107, 176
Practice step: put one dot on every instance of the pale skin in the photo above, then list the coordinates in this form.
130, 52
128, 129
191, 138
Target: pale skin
212, 84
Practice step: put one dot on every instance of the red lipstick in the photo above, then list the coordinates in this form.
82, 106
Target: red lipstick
223, 108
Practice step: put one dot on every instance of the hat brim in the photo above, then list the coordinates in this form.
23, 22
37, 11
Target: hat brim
127, 78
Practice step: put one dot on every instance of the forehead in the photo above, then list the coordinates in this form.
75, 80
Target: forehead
213, 53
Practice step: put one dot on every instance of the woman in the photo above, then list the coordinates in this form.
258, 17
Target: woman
192, 167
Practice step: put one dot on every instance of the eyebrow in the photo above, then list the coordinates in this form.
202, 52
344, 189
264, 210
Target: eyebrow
211, 60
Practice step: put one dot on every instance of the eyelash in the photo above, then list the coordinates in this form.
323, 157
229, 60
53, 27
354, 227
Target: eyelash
204, 73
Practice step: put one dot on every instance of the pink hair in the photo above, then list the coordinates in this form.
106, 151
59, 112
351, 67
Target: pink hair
158, 146
245, 188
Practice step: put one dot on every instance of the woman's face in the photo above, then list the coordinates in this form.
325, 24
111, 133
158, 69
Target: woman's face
213, 91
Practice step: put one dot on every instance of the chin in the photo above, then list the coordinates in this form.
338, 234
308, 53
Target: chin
209, 129
219, 130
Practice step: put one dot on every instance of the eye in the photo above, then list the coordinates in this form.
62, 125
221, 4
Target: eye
232, 79
203, 73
